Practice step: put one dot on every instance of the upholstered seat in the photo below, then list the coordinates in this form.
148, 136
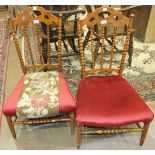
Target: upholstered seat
66, 101
113, 102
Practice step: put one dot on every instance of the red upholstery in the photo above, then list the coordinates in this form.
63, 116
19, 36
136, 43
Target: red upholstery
109, 101
67, 103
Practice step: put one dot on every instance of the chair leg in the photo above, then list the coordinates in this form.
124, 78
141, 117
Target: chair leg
130, 51
72, 123
65, 46
78, 137
144, 133
11, 126
71, 42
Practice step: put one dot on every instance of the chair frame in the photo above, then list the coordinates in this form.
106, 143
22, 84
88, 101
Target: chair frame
13, 23
65, 14
90, 24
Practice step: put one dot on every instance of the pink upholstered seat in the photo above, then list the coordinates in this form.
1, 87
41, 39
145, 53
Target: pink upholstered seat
109, 101
66, 105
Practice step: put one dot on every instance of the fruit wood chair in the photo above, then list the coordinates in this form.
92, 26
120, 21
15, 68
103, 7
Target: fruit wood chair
108, 33
41, 95
107, 102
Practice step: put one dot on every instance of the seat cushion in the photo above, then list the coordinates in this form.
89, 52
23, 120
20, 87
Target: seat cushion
66, 105
109, 101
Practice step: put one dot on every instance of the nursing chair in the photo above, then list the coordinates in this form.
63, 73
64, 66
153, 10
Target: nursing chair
42, 94
106, 102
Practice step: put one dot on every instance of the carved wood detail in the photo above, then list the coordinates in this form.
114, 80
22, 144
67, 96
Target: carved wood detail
92, 47
102, 48
28, 44
48, 45
38, 32
112, 131
17, 48
114, 18
28, 17
42, 121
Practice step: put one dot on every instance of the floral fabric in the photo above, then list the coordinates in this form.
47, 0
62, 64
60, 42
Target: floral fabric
40, 95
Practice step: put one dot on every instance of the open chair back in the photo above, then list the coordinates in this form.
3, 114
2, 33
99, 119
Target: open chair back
29, 22
107, 19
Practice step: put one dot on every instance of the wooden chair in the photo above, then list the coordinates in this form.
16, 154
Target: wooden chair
107, 103
69, 27
41, 95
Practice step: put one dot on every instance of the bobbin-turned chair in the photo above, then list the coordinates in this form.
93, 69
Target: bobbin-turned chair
107, 103
47, 99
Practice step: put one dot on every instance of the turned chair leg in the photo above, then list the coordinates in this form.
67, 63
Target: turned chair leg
78, 137
72, 123
144, 133
11, 126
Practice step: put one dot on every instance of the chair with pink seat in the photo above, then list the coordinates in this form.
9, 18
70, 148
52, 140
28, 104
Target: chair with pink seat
107, 103
42, 94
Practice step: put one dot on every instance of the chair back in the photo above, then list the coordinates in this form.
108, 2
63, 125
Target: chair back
105, 18
30, 23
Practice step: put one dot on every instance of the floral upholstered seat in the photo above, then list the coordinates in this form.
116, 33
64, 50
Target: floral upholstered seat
37, 95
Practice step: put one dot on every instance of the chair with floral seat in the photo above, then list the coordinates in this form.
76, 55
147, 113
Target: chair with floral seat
106, 102
42, 94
